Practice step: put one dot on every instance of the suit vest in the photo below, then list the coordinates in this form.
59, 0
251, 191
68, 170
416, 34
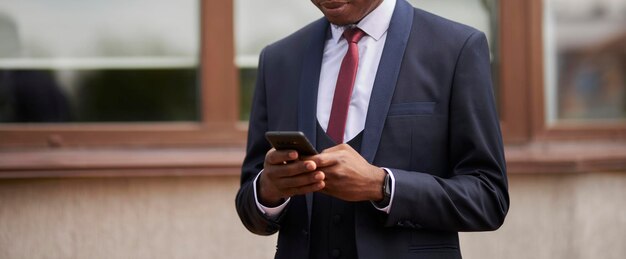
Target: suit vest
332, 220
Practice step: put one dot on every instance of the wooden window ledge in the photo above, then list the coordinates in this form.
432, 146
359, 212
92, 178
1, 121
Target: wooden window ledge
566, 157
121, 162
545, 157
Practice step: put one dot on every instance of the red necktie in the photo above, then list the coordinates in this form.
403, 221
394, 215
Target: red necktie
345, 84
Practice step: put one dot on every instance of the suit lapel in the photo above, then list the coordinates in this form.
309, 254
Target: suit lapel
309, 82
386, 77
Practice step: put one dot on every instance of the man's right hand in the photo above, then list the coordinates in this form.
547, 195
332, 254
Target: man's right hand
284, 175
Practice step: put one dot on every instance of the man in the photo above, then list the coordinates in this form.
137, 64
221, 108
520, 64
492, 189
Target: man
411, 152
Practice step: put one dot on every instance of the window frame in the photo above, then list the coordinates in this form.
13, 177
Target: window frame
218, 124
522, 113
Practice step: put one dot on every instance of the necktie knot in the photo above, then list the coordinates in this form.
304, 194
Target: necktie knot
353, 35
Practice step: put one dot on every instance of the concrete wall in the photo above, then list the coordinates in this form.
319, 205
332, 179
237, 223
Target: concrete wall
123, 218
552, 216
569, 216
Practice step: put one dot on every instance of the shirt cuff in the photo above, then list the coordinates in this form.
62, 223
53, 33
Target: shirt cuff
393, 191
271, 213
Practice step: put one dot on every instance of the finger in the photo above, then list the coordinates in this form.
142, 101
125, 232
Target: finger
275, 157
290, 169
324, 159
326, 190
306, 189
333, 190
300, 180
299, 167
332, 172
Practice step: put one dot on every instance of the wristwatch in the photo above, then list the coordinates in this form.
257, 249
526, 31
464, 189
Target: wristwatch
386, 192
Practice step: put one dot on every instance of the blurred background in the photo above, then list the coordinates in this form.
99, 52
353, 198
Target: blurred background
123, 123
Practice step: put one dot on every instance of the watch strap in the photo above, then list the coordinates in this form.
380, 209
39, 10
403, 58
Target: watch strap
386, 189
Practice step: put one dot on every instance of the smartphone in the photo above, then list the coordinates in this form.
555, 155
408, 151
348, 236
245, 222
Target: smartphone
291, 140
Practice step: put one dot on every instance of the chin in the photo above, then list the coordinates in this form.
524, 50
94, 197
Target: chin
340, 20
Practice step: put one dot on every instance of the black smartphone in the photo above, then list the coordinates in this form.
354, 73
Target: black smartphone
292, 140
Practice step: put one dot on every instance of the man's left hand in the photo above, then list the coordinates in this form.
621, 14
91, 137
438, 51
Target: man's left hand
349, 176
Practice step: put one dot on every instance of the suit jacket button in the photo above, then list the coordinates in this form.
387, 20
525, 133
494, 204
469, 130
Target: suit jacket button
335, 253
305, 232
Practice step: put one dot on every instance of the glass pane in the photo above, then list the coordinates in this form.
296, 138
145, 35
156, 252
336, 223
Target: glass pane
255, 29
99, 61
585, 60
247, 78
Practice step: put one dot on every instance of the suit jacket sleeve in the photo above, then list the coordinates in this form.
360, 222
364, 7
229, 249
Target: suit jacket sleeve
257, 146
475, 196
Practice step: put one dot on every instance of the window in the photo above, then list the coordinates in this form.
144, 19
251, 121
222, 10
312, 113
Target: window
99, 61
549, 91
122, 73
255, 29
585, 61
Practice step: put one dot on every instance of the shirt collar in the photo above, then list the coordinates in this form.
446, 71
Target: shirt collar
375, 24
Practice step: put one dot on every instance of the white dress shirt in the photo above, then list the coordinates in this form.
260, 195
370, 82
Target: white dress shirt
371, 46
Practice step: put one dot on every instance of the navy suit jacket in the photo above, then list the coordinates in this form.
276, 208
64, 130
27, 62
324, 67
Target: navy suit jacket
431, 121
